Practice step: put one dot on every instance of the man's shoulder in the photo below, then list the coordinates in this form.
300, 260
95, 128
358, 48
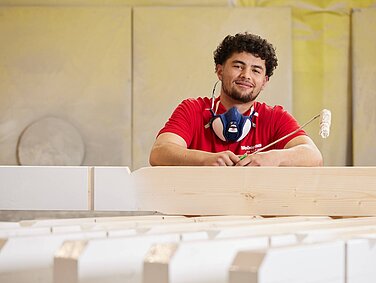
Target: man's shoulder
265, 108
197, 103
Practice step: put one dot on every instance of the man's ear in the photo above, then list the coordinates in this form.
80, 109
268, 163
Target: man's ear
219, 71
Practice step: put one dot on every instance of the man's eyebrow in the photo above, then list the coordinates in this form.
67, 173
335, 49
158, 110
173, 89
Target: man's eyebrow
258, 67
238, 62
243, 63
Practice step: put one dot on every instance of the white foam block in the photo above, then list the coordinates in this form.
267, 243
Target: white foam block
44, 188
361, 259
324, 262
196, 261
114, 189
30, 258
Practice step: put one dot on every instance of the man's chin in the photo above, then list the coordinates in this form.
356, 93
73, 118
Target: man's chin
243, 99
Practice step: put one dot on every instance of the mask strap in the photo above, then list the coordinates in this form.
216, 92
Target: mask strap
216, 107
215, 85
252, 112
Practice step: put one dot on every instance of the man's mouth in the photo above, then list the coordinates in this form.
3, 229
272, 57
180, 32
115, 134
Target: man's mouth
244, 84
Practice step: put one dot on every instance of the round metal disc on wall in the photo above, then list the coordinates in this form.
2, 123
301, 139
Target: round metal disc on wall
50, 141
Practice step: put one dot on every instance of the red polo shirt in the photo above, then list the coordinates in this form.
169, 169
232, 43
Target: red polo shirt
271, 123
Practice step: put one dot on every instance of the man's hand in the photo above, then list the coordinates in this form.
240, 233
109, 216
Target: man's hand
268, 158
224, 158
300, 151
171, 149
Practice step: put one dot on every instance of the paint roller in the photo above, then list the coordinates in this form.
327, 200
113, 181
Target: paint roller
325, 121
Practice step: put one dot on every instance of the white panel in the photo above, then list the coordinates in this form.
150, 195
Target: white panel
41, 188
114, 189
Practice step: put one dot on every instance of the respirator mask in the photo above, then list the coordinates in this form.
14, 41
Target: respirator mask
230, 126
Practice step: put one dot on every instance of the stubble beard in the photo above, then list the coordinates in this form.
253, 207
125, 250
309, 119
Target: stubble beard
238, 96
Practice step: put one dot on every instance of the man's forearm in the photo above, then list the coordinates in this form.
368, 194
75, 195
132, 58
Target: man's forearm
173, 154
301, 155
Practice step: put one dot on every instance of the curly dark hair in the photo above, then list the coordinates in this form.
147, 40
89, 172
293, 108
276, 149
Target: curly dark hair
246, 42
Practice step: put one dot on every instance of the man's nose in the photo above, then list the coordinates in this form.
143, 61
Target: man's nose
246, 73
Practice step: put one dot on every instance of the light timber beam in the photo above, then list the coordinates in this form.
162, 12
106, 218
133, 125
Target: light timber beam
334, 191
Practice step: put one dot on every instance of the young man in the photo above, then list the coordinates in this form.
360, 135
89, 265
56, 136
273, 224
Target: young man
219, 131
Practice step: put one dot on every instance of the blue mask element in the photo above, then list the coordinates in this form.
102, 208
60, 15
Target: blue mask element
231, 126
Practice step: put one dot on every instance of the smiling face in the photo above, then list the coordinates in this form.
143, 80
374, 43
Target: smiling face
242, 76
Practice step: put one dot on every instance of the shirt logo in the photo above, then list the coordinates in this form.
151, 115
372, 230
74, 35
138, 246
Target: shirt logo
250, 147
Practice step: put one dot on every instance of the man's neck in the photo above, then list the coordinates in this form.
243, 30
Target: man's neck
228, 103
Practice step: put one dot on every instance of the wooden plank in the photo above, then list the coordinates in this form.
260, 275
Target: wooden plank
103, 220
113, 226
293, 227
280, 230
121, 226
211, 228
43, 188
231, 229
335, 191
323, 262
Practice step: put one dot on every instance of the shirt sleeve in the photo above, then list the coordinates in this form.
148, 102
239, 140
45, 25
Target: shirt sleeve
182, 121
285, 124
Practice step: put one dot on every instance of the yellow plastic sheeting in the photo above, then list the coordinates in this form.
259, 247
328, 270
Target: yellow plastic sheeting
321, 77
117, 2
73, 64
173, 60
364, 86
